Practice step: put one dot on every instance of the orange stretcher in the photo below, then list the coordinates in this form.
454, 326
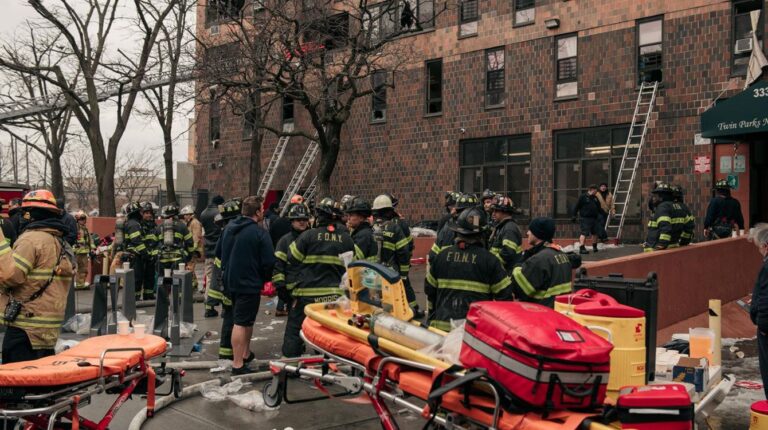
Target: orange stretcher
47, 393
406, 384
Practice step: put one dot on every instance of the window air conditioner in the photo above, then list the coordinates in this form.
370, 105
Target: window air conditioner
214, 29
743, 45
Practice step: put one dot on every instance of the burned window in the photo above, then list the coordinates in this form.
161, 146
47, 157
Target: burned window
379, 96
649, 50
328, 33
288, 109
567, 66
222, 10
494, 77
434, 87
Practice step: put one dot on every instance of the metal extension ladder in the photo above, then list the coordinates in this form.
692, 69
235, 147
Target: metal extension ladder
274, 162
625, 180
309, 193
298, 176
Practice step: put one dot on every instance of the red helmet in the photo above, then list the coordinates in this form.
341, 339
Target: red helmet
42, 199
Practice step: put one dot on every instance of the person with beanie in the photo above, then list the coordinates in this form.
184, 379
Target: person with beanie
546, 269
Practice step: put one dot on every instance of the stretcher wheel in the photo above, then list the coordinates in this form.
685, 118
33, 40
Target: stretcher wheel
273, 394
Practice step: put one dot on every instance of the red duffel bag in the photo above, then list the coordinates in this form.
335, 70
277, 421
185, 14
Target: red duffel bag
543, 358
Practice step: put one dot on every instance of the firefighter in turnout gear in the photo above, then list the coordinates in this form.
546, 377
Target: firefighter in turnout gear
546, 269
315, 259
506, 240
150, 233
131, 246
283, 275
664, 225
84, 249
176, 240
447, 234
450, 208
227, 212
723, 213
464, 273
35, 278
196, 229
212, 232
358, 211
394, 245
688, 220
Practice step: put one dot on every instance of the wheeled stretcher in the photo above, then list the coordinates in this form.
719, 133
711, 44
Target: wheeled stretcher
48, 393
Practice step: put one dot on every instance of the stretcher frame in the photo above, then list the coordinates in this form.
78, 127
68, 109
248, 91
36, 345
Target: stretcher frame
376, 385
66, 402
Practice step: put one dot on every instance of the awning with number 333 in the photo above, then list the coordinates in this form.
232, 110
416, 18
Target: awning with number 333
743, 114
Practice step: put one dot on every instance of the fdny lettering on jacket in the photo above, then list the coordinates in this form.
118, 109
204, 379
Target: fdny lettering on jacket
329, 237
461, 257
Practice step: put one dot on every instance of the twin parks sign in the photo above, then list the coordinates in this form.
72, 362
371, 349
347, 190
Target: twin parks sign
745, 113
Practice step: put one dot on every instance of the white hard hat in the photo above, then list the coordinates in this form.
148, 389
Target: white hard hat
382, 202
187, 210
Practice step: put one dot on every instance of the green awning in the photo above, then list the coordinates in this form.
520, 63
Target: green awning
745, 113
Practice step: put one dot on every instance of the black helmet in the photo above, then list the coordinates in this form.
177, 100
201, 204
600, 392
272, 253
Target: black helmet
298, 211
345, 201
677, 191
169, 211
470, 222
663, 188
329, 207
147, 207
132, 208
722, 184
487, 194
358, 205
466, 201
230, 209
503, 204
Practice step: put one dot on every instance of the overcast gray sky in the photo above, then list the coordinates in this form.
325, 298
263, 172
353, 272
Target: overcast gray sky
142, 134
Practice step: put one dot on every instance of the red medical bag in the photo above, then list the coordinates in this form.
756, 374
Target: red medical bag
655, 407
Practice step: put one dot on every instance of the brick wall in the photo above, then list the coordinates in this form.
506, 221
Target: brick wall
417, 157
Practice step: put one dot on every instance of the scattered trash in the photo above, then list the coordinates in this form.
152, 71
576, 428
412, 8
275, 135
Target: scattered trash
273, 322
197, 347
78, 323
749, 385
212, 341
256, 339
252, 400
267, 313
267, 328
223, 366
740, 355
63, 345
186, 329
221, 392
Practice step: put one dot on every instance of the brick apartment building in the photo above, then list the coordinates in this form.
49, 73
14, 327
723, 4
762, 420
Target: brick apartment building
534, 97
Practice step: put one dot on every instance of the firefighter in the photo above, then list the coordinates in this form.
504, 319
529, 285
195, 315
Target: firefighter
194, 227
229, 210
299, 216
487, 199
464, 273
506, 240
590, 221
35, 276
314, 258
358, 211
212, 233
723, 213
130, 244
84, 248
688, 220
450, 208
6, 225
446, 235
176, 240
546, 269
344, 202
150, 232
394, 245
662, 226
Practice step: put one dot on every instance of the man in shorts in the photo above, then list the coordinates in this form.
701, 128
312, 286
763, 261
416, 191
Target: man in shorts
247, 259
588, 209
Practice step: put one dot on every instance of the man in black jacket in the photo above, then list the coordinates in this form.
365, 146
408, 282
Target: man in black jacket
283, 275
247, 258
70, 235
759, 309
358, 211
723, 213
15, 215
211, 234
588, 209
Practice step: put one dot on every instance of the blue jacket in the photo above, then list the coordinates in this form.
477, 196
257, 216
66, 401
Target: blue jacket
246, 255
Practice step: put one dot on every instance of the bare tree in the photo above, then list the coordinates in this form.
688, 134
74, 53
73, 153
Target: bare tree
85, 28
137, 175
80, 177
324, 55
50, 129
171, 61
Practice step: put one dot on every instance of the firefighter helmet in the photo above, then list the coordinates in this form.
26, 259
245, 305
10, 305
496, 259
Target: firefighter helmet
345, 201
487, 194
42, 199
677, 191
358, 206
466, 201
722, 184
662, 188
298, 211
395, 201
230, 209
131, 208
187, 210
503, 204
147, 207
80, 214
383, 201
169, 211
328, 206
470, 222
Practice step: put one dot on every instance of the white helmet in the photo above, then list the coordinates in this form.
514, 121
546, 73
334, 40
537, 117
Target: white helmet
382, 202
187, 210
